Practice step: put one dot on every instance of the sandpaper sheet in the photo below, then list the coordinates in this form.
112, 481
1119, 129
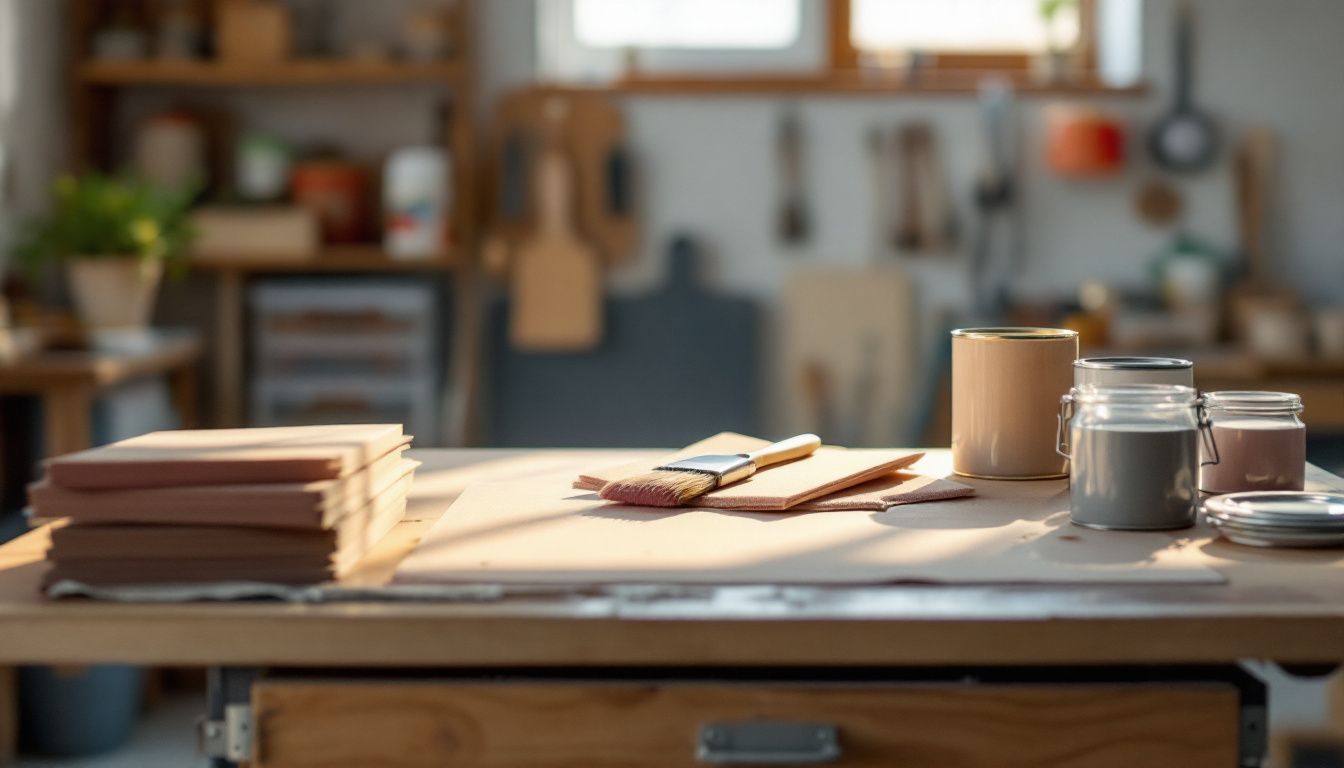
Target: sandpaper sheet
779, 487
227, 456
541, 531
889, 490
313, 506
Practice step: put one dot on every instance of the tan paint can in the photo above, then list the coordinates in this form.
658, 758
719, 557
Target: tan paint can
1006, 386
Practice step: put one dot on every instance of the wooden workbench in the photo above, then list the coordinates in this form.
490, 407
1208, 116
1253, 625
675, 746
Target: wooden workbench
1276, 605
1287, 607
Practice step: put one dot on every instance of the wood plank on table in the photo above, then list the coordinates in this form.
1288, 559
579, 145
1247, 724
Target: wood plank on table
342, 723
1284, 606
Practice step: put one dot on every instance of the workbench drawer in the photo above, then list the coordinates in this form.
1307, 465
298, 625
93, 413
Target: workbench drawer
305, 724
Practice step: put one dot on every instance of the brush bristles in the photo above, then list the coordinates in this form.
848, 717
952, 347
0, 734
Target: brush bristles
660, 488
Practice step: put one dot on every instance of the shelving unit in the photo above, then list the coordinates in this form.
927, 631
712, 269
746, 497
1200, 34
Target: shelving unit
333, 259
95, 85
297, 72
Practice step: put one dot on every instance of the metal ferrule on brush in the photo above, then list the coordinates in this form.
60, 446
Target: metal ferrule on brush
729, 468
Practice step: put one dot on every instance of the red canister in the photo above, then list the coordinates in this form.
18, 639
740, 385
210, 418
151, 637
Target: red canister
336, 191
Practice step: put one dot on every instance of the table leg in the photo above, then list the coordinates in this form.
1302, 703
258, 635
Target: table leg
224, 687
183, 383
67, 419
9, 719
228, 349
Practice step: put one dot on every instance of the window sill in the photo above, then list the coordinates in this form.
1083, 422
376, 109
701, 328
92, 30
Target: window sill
930, 84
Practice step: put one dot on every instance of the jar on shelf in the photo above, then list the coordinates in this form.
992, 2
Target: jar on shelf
1262, 442
1134, 454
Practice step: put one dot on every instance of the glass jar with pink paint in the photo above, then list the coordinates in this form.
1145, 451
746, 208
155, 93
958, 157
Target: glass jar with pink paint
1262, 443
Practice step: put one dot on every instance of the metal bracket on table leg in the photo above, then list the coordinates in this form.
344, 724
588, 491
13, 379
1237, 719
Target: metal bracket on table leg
225, 733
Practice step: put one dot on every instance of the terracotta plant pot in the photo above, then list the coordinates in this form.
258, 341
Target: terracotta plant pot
114, 292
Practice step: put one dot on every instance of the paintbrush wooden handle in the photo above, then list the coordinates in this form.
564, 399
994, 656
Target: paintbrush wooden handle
785, 450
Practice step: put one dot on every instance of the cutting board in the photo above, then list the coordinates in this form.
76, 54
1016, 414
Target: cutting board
850, 353
556, 282
673, 366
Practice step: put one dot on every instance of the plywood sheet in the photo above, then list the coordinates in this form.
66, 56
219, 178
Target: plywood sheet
541, 531
850, 354
780, 487
227, 456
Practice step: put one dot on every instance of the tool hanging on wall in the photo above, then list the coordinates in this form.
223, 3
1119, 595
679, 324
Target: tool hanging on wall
1260, 297
997, 251
1185, 140
927, 222
793, 226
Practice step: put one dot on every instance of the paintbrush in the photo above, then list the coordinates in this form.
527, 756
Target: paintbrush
674, 484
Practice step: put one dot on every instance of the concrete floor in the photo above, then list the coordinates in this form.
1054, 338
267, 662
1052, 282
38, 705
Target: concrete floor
165, 738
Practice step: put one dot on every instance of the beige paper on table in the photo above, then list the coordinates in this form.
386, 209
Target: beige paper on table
540, 531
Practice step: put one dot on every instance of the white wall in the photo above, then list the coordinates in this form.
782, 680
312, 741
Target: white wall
37, 152
708, 163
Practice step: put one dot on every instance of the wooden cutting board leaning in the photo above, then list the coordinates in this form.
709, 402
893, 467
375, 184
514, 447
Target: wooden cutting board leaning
556, 287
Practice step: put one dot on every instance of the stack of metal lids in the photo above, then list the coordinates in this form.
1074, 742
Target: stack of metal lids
1279, 518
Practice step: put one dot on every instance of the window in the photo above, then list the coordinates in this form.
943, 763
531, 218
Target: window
964, 26
837, 44
604, 40
750, 24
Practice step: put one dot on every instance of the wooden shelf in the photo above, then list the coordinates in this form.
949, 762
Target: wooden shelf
293, 72
933, 84
332, 259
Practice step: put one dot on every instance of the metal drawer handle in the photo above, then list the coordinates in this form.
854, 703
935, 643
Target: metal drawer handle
766, 742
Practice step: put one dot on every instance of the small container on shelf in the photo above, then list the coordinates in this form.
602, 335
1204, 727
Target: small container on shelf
337, 192
254, 31
1261, 443
416, 201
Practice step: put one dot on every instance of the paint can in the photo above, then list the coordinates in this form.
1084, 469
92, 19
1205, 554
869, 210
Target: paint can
1006, 385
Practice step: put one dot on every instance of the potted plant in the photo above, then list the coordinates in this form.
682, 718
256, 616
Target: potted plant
1055, 59
114, 238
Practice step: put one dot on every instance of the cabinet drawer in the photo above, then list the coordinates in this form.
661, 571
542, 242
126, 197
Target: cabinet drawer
305, 724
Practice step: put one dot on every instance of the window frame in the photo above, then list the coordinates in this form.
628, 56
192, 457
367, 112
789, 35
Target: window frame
837, 68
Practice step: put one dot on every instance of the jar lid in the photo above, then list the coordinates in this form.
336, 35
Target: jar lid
1136, 394
1303, 510
1015, 333
1133, 363
1257, 402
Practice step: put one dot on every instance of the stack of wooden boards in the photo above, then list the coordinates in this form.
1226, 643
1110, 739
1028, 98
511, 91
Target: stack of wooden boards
291, 505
